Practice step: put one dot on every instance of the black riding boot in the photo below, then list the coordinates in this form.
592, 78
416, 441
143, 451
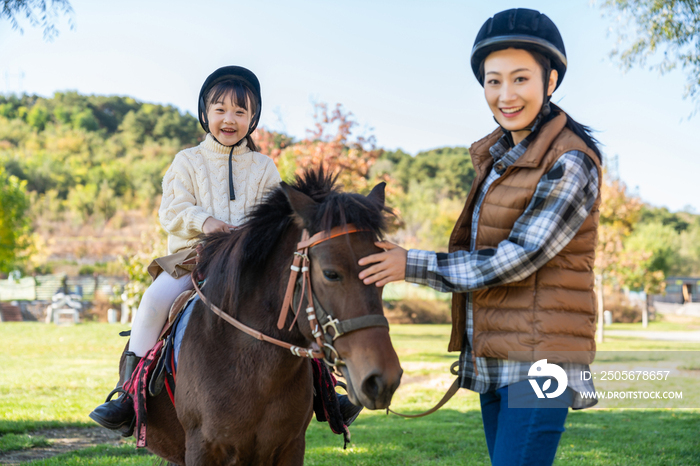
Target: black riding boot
348, 410
119, 414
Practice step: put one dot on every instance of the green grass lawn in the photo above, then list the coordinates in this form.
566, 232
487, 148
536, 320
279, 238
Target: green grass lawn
658, 326
53, 376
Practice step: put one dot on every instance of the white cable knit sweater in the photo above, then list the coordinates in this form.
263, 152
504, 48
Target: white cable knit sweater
195, 187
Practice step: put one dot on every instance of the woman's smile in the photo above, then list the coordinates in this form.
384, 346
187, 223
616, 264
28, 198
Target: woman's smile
512, 112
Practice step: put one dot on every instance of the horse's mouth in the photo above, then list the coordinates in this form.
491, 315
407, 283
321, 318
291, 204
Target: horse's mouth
366, 399
348, 382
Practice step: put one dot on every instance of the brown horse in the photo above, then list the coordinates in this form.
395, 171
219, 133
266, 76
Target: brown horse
244, 401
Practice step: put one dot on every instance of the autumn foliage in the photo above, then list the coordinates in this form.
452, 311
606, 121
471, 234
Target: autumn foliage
623, 266
332, 143
84, 172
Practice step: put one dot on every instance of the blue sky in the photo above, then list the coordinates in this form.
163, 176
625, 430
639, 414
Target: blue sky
402, 68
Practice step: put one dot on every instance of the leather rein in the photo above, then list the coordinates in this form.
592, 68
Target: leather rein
320, 320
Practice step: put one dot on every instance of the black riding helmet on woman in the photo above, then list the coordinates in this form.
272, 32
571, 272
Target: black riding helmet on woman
529, 30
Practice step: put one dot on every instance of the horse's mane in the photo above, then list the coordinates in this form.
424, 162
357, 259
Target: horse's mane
234, 261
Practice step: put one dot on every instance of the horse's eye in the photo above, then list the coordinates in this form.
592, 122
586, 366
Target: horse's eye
331, 275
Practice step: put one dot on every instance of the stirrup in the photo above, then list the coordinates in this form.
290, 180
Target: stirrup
126, 431
129, 430
117, 390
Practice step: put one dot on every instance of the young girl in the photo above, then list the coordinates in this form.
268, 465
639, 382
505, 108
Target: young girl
520, 265
208, 188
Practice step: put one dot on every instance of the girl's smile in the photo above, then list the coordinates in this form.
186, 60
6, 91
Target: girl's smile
228, 122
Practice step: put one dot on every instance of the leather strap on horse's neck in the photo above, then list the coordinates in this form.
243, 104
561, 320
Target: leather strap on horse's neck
295, 350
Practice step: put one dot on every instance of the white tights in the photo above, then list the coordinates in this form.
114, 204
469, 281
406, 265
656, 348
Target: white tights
153, 311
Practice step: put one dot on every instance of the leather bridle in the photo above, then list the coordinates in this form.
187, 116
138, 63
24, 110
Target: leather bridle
321, 320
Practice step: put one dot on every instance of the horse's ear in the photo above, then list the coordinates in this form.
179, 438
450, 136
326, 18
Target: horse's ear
301, 204
377, 193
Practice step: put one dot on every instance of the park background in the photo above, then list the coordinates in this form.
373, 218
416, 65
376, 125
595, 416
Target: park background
99, 97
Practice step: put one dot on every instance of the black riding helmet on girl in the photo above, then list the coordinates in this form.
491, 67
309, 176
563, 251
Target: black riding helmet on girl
230, 73
242, 82
530, 30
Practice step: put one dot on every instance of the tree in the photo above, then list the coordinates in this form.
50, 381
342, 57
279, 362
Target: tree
14, 224
43, 13
654, 248
620, 266
449, 168
670, 26
329, 143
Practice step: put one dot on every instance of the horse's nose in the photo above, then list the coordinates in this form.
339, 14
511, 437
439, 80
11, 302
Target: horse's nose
376, 388
373, 385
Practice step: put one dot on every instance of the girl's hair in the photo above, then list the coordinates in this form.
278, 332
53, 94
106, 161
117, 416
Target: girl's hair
241, 94
582, 131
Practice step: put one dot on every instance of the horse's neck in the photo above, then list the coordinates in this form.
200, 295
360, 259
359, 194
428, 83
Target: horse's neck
261, 301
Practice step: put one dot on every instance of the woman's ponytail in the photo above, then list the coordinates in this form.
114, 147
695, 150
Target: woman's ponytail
582, 131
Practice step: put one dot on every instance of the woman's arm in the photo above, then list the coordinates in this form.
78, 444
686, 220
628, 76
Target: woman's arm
563, 199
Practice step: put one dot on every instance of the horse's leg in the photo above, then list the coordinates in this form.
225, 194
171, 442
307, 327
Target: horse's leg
201, 452
164, 434
293, 455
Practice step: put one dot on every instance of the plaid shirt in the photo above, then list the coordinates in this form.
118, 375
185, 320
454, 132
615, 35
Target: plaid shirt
563, 199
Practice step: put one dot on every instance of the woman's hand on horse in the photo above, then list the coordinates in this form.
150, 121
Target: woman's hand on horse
389, 266
212, 225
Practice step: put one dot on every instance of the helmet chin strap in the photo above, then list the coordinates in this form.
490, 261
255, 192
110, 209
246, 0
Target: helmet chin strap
534, 125
231, 192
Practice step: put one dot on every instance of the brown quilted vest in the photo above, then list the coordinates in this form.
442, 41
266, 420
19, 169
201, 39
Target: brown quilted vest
552, 310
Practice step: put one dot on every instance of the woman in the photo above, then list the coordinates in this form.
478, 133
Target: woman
520, 265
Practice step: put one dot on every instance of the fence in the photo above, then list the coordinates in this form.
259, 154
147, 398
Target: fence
43, 287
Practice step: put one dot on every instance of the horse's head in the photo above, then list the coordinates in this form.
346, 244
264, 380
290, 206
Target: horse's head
369, 362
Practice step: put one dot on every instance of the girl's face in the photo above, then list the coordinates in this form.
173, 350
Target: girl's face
513, 87
228, 122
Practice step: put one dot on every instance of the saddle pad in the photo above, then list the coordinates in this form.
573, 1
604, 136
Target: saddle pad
180, 327
137, 386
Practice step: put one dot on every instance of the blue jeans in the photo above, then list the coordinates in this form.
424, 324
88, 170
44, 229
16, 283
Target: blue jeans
523, 436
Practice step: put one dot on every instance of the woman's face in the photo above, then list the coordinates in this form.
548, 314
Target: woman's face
513, 87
